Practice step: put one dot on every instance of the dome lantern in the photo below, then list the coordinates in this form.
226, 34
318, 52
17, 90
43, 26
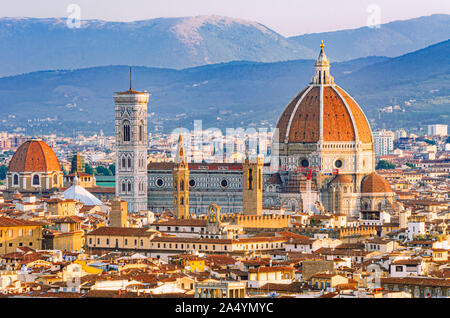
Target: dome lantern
322, 75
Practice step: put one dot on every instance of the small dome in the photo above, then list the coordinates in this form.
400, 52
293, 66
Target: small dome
374, 183
341, 178
34, 156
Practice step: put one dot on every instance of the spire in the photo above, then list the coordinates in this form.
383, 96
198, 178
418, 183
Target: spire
181, 155
322, 66
131, 80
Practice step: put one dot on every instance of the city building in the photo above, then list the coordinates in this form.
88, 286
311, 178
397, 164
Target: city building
34, 168
437, 130
320, 166
383, 142
131, 148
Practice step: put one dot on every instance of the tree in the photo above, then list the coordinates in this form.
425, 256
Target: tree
112, 168
410, 165
102, 171
3, 170
384, 164
88, 169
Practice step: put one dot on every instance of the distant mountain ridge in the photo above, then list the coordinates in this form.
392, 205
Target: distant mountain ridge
163, 42
32, 44
390, 39
235, 94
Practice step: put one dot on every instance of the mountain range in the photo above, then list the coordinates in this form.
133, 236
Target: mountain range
390, 39
234, 94
32, 44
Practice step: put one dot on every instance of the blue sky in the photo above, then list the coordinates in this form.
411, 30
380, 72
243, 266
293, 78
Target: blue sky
288, 17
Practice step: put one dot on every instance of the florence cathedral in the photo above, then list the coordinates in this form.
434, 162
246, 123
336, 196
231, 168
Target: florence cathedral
325, 163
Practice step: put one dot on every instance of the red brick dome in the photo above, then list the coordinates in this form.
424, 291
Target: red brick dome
323, 109
34, 156
374, 183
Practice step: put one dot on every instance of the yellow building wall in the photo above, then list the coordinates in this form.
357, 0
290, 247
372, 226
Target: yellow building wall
69, 241
19, 236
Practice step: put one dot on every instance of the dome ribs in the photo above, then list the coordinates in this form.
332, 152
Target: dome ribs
283, 122
306, 125
34, 156
337, 125
361, 123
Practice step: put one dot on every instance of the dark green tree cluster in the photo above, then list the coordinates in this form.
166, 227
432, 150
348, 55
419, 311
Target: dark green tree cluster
384, 164
3, 170
100, 170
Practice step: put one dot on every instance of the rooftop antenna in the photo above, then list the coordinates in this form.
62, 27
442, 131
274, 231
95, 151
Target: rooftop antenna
131, 80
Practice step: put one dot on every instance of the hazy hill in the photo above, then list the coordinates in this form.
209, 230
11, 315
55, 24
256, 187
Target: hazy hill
30, 44
391, 39
236, 94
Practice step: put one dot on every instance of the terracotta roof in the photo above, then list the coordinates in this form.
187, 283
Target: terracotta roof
374, 183
343, 119
268, 269
341, 178
8, 222
130, 92
121, 231
362, 125
422, 281
34, 156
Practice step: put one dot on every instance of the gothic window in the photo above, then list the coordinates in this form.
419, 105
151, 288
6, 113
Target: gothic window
129, 186
126, 131
36, 180
181, 185
141, 132
123, 187
250, 179
129, 162
16, 180
55, 179
182, 201
124, 162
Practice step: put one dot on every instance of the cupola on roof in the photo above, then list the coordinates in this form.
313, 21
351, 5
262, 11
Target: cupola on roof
323, 111
34, 156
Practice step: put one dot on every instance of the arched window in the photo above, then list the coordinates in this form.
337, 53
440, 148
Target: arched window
141, 132
129, 186
16, 180
123, 187
36, 180
129, 162
380, 206
181, 185
250, 179
182, 201
55, 179
126, 131
124, 165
